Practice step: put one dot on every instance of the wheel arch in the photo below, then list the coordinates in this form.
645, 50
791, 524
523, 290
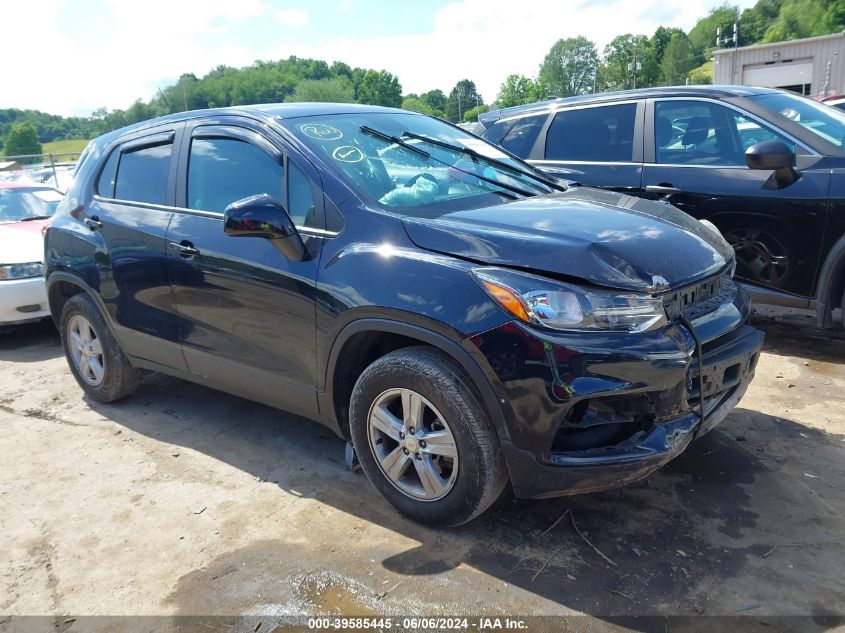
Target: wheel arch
61, 286
356, 339
831, 284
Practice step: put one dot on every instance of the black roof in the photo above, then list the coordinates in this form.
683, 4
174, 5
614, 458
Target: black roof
264, 111
715, 92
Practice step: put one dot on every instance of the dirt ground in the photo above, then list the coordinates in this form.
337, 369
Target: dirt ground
187, 501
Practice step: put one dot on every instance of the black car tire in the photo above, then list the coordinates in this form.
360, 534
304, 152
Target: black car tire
119, 377
481, 473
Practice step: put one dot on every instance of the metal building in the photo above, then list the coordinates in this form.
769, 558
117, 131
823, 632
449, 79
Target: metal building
814, 66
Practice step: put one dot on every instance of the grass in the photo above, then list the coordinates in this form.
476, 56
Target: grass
58, 147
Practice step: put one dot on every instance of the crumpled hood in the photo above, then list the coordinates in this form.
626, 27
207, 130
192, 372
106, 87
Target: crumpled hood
602, 237
21, 242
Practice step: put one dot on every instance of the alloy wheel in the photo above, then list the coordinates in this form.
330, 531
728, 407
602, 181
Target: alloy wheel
412, 444
86, 350
761, 256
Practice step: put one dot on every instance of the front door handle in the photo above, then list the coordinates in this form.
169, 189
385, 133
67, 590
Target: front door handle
93, 223
662, 190
185, 248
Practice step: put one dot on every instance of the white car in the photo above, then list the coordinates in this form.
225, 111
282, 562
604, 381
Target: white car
25, 210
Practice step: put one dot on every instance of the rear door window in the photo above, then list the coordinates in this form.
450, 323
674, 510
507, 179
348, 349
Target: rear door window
142, 174
602, 134
521, 137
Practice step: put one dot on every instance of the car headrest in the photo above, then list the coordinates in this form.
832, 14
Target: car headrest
697, 130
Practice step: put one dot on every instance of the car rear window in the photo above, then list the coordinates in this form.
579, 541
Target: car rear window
599, 134
142, 174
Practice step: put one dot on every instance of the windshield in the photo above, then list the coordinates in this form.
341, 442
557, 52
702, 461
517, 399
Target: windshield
823, 121
27, 203
416, 165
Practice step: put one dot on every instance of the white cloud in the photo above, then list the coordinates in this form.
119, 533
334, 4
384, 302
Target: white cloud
129, 54
292, 17
122, 62
344, 6
486, 40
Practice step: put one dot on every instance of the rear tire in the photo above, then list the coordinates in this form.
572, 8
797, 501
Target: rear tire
95, 359
410, 395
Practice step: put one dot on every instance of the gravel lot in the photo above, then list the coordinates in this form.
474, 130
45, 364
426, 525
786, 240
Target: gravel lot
187, 501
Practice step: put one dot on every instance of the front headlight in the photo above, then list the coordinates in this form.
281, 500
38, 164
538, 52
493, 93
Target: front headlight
21, 271
558, 306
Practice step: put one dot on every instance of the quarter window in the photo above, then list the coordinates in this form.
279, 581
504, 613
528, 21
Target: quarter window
522, 136
301, 205
142, 174
601, 134
105, 184
224, 170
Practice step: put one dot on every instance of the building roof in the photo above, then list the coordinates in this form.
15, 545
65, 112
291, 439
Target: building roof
805, 40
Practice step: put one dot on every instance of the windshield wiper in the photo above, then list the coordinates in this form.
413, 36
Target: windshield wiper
35, 217
495, 161
395, 139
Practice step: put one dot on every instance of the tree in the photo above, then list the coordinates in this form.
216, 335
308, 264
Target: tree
795, 20
463, 97
703, 34
678, 60
471, 115
380, 88
754, 21
516, 90
702, 75
622, 55
413, 103
327, 90
570, 67
435, 100
22, 139
660, 40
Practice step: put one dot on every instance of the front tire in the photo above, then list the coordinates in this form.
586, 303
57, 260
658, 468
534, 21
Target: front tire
95, 359
423, 439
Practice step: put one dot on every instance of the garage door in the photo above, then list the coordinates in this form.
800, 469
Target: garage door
779, 75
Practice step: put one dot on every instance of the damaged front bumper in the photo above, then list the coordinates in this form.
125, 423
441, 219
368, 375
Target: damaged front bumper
592, 413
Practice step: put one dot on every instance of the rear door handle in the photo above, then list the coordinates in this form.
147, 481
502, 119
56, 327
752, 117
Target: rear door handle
662, 190
93, 223
185, 248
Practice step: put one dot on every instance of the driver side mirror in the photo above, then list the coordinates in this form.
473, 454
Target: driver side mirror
773, 156
264, 216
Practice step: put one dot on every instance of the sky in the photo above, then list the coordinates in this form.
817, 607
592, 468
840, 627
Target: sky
71, 57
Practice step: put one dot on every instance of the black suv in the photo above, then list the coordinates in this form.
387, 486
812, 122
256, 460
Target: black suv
727, 154
461, 318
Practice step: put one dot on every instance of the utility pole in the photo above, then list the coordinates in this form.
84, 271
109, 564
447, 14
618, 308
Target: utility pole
460, 116
734, 39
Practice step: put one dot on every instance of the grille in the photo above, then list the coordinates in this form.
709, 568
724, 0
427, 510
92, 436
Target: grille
699, 298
